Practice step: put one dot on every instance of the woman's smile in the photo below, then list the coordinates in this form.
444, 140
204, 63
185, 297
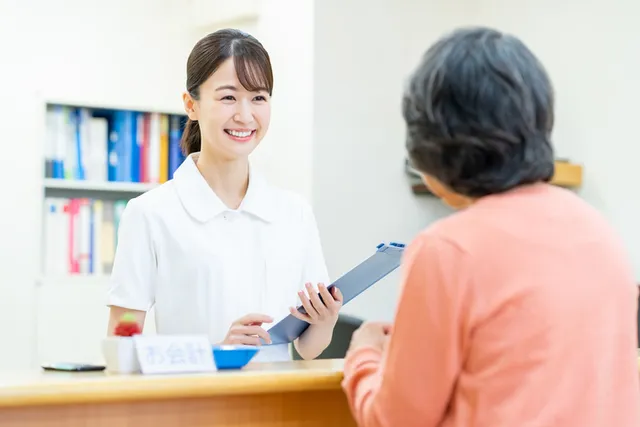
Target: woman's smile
240, 135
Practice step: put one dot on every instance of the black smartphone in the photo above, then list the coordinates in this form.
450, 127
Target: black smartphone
72, 367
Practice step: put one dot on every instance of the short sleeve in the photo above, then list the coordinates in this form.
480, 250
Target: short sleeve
315, 267
132, 283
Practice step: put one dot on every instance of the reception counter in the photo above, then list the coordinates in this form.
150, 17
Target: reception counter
293, 393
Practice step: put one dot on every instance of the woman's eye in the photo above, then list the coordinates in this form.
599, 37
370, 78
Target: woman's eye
228, 98
260, 98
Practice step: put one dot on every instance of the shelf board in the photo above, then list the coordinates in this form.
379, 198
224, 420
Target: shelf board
97, 186
106, 106
567, 175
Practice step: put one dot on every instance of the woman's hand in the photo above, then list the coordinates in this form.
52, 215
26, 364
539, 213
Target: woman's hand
371, 334
319, 312
248, 330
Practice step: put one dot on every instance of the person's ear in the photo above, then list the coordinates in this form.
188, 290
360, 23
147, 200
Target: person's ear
190, 106
449, 197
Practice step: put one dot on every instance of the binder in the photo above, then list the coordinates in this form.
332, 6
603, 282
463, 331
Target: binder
385, 260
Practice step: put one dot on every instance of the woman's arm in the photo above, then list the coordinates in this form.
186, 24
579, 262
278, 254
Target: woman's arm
409, 383
132, 281
317, 337
314, 341
322, 314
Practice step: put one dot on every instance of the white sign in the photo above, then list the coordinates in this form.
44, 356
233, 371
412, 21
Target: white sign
168, 354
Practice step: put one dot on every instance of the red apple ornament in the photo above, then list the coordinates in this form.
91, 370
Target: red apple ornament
128, 326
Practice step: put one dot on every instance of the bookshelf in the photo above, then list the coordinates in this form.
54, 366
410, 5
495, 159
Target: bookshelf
96, 159
567, 175
52, 184
103, 190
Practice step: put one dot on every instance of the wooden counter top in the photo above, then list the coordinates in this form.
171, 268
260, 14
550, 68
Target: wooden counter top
62, 388
260, 395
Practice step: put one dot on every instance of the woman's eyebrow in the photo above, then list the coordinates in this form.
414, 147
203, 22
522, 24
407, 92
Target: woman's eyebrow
226, 87
234, 88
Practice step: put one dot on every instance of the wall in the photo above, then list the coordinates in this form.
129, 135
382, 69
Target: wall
363, 55
591, 51
286, 28
121, 53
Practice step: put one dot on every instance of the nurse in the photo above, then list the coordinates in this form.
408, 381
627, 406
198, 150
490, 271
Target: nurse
217, 250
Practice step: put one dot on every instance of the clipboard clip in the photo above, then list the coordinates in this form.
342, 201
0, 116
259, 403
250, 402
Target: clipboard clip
394, 244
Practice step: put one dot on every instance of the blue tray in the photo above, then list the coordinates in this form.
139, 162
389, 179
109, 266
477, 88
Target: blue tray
233, 356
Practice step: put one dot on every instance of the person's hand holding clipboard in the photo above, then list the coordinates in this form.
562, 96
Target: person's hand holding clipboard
314, 309
320, 307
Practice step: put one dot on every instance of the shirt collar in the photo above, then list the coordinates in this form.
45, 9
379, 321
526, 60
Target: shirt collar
203, 204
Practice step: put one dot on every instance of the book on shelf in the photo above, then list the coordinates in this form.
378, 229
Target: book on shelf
108, 145
80, 235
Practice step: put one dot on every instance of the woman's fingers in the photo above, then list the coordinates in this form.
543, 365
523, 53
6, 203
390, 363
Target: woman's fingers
295, 313
244, 340
306, 303
254, 331
247, 330
260, 332
319, 306
327, 298
337, 295
254, 318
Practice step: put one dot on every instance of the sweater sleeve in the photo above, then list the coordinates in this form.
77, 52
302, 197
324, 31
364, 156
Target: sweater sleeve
411, 382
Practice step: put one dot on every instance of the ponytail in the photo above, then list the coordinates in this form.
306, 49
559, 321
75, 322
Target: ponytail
190, 142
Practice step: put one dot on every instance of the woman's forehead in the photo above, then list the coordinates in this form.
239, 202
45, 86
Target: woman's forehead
241, 74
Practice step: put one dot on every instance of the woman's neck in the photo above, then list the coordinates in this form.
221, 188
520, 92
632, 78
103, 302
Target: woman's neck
229, 179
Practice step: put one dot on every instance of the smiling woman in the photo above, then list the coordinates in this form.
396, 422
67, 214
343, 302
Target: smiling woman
243, 77
217, 250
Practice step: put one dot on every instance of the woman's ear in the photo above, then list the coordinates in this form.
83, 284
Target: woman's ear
190, 106
448, 197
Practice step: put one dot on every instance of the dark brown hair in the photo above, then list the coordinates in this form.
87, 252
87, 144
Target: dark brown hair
479, 114
251, 62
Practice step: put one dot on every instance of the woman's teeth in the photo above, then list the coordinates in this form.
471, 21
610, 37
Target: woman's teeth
238, 134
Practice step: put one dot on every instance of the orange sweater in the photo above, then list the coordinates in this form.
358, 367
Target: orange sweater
519, 311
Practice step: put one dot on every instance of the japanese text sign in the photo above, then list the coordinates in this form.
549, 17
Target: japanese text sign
165, 354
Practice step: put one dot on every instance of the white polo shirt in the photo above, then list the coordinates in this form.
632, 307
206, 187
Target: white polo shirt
203, 265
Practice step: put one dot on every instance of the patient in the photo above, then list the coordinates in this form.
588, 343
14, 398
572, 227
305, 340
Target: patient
520, 308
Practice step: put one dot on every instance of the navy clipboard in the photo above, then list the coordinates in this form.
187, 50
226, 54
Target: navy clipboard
386, 259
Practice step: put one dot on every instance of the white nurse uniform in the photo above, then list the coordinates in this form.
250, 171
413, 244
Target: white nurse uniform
202, 265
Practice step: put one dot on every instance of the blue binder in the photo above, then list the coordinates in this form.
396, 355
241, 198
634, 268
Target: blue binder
386, 259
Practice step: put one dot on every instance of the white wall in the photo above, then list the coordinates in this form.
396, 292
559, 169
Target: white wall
591, 52
285, 28
363, 55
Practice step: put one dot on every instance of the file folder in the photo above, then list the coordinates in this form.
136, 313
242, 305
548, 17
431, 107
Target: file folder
386, 259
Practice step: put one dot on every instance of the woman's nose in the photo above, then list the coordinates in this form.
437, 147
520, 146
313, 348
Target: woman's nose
244, 113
